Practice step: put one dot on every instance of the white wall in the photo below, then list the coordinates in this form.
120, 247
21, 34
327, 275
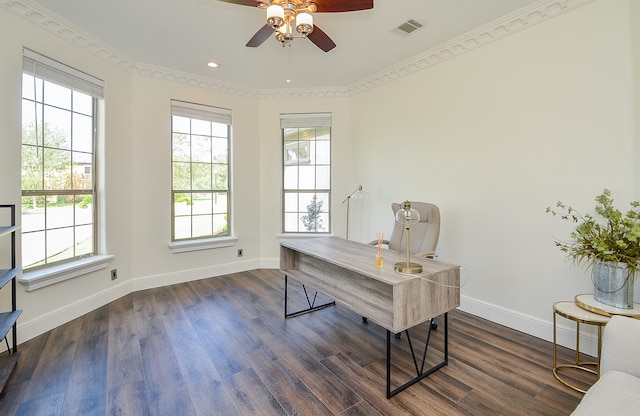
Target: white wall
495, 136
136, 179
492, 136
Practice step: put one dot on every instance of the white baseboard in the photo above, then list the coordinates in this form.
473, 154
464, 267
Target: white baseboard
528, 324
540, 328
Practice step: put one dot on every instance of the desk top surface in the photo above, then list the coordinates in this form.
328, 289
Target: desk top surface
361, 258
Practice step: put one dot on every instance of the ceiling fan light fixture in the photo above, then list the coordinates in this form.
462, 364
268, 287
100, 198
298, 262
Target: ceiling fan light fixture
275, 16
304, 23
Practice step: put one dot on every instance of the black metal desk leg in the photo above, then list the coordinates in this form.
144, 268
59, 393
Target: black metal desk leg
419, 366
312, 306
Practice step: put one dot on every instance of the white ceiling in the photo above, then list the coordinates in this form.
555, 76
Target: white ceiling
183, 35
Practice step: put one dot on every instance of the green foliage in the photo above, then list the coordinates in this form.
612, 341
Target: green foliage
86, 201
312, 220
184, 198
611, 236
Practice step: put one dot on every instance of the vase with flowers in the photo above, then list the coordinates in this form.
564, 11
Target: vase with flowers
608, 242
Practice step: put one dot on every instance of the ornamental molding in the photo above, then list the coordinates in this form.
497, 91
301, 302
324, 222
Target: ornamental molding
526, 17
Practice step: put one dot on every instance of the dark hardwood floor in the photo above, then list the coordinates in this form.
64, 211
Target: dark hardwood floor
221, 346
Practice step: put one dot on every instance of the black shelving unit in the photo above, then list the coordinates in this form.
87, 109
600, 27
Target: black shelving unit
8, 319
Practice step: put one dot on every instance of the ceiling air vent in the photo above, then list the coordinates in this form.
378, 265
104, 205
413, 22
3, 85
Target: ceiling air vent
408, 27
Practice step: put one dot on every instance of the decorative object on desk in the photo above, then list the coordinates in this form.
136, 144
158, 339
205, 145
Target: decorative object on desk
408, 216
356, 194
610, 245
379, 261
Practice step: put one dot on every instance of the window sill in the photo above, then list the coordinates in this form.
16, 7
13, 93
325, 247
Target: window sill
202, 244
40, 278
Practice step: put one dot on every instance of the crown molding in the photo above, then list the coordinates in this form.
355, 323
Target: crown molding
507, 25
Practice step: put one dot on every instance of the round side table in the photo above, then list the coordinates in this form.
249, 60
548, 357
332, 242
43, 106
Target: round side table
572, 311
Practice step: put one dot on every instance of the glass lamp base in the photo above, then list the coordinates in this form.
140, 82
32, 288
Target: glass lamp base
410, 268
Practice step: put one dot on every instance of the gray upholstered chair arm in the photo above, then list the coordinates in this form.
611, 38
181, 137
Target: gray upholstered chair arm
375, 242
620, 345
426, 253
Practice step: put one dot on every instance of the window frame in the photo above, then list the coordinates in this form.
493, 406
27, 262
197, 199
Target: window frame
211, 114
48, 72
302, 157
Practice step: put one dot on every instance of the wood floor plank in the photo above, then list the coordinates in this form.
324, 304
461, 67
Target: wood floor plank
166, 392
124, 360
292, 394
221, 346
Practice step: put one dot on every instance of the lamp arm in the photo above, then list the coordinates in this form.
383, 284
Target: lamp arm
359, 188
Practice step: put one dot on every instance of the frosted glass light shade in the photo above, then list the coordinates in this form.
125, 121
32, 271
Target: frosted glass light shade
275, 16
304, 23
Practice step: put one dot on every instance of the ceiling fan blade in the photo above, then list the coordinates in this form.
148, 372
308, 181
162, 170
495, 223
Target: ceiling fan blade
253, 3
321, 39
260, 36
337, 6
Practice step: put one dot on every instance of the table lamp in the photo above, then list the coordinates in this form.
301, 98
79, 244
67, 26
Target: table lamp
408, 216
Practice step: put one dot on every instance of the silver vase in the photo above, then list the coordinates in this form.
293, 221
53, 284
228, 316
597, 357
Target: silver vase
613, 284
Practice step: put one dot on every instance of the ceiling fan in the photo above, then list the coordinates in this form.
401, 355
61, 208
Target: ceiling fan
290, 19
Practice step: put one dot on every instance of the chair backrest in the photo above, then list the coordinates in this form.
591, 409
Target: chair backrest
424, 233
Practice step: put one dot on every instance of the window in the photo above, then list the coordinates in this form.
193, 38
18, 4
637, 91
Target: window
306, 172
59, 210
200, 145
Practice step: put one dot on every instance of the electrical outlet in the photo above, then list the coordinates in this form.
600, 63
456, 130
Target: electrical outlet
240, 252
114, 274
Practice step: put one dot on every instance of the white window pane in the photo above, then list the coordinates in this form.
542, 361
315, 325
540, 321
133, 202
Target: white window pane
323, 152
202, 203
182, 204
307, 177
32, 214
291, 222
33, 252
82, 103
200, 127
290, 202
202, 225
57, 95
182, 227
220, 225
82, 173
323, 177
57, 127
201, 149
82, 133
28, 87
84, 240
220, 152
60, 244
181, 147
181, 124
220, 202
84, 210
219, 130
59, 216
291, 177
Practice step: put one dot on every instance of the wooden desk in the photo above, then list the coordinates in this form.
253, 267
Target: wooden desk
346, 271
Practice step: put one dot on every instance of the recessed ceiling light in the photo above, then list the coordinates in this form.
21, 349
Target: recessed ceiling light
212, 64
288, 81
